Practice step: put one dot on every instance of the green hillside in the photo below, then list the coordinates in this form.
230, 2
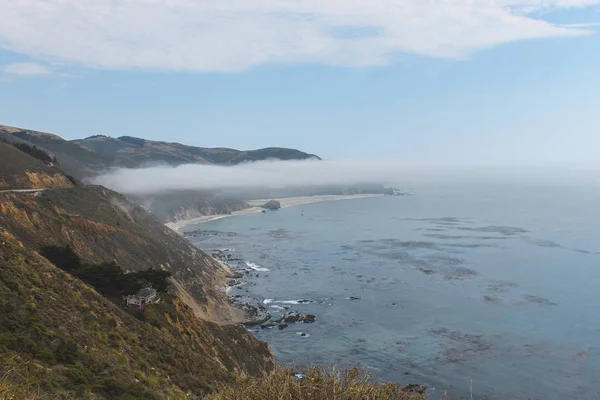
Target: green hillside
61, 339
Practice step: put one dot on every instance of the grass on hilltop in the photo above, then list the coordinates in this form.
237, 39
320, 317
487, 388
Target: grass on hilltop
316, 383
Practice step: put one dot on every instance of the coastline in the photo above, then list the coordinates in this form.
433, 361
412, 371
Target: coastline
285, 203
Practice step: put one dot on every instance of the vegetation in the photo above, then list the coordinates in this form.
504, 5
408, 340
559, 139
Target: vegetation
102, 225
108, 278
60, 339
18, 170
36, 153
316, 384
132, 140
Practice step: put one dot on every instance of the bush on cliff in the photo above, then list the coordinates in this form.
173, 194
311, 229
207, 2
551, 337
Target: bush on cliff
317, 384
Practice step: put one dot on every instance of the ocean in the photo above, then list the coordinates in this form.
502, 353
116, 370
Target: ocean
488, 289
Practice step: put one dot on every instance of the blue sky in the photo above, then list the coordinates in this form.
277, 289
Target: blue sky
470, 82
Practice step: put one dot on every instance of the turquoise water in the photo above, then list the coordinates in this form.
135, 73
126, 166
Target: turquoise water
494, 285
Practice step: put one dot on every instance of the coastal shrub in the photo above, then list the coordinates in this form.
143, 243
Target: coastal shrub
64, 258
36, 152
316, 384
47, 356
157, 278
108, 278
66, 352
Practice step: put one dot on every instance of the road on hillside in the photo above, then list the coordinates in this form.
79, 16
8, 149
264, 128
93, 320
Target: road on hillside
22, 190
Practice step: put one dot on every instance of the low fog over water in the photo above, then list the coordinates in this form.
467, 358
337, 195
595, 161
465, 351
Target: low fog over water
322, 173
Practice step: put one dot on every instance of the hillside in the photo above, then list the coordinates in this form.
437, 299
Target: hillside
186, 204
145, 152
20, 171
103, 225
60, 338
85, 158
76, 160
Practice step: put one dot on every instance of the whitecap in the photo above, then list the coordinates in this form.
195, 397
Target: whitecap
267, 301
302, 301
256, 267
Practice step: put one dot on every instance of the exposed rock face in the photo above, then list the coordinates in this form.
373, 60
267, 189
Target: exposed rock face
272, 205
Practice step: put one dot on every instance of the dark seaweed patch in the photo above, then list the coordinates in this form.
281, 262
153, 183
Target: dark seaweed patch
528, 298
500, 286
503, 230
461, 346
459, 273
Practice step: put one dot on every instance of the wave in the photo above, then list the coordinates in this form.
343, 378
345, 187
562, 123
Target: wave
256, 267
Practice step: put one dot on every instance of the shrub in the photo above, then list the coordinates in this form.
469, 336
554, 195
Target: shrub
66, 352
47, 356
64, 258
316, 384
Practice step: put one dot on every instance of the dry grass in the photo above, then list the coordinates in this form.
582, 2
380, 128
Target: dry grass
315, 384
16, 382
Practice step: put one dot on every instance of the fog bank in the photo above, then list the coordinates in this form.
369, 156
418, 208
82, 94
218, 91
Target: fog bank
325, 173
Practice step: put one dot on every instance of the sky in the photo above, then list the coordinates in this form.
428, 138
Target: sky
445, 82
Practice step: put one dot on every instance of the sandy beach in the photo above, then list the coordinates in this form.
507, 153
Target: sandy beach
285, 202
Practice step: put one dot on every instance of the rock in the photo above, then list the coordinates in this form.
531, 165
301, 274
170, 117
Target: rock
282, 326
361, 340
304, 301
353, 298
309, 318
293, 316
414, 389
272, 205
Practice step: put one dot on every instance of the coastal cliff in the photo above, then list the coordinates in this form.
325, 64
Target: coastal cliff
61, 337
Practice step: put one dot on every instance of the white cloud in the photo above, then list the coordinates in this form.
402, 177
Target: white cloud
231, 35
26, 69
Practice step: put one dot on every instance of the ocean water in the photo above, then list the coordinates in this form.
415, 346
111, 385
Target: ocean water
494, 287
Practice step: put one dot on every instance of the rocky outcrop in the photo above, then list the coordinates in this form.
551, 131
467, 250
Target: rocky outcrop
272, 205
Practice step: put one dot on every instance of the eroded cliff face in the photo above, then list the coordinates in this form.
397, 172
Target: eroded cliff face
35, 180
102, 225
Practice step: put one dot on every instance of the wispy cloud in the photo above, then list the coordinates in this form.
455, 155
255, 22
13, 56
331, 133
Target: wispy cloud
231, 35
26, 69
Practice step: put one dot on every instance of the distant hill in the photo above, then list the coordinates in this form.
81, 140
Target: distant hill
76, 160
142, 151
89, 157
96, 154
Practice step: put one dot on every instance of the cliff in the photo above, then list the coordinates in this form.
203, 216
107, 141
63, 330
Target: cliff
103, 225
60, 338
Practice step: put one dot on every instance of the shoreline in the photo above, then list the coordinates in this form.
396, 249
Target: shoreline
255, 207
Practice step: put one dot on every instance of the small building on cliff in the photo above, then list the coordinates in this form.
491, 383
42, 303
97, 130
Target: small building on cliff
142, 298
